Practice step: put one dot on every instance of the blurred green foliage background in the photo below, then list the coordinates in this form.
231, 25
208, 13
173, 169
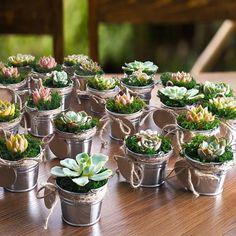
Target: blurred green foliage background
172, 48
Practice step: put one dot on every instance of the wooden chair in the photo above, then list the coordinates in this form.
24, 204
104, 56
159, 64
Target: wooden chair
34, 17
157, 12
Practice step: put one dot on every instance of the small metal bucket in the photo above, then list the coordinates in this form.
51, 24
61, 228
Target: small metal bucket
204, 186
26, 176
66, 94
75, 143
76, 211
41, 121
154, 170
176, 110
134, 120
143, 92
97, 98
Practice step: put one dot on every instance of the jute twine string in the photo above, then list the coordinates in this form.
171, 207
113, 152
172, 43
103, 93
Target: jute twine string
107, 120
87, 198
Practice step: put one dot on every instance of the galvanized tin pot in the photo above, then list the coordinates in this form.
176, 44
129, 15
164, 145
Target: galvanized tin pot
204, 186
11, 126
26, 176
81, 209
66, 94
153, 167
98, 98
74, 143
143, 92
176, 110
134, 120
41, 121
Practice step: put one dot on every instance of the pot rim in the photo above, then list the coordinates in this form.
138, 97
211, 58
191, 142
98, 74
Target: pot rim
173, 108
102, 91
82, 194
156, 156
201, 163
122, 114
83, 76
139, 87
21, 83
67, 133
36, 110
39, 154
17, 119
199, 131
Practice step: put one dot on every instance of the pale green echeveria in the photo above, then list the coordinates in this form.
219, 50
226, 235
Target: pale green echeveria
147, 67
211, 148
59, 77
76, 117
216, 89
179, 93
83, 168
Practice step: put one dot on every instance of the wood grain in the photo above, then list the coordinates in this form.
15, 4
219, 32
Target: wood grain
168, 210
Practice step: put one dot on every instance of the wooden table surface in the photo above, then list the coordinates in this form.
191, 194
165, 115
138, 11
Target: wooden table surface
168, 210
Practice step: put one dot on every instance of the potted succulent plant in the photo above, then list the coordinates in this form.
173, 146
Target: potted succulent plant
24, 62
101, 88
76, 130
10, 116
177, 98
207, 160
81, 184
58, 81
71, 61
149, 152
41, 68
20, 156
124, 106
180, 79
198, 120
146, 67
86, 69
141, 83
12, 78
213, 90
42, 107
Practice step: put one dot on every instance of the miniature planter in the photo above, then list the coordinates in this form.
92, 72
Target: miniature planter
198, 120
177, 98
83, 72
146, 158
139, 83
81, 192
74, 131
73, 61
10, 113
100, 89
41, 68
146, 67
24, 62
205, 164
19, 163
124, 113
58, 81
42, 108
10, 77
180, 79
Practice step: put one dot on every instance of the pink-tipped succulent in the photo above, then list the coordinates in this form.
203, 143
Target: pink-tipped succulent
124, 98
47, 62
181, 77
10, 72
42, 94
199, 114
